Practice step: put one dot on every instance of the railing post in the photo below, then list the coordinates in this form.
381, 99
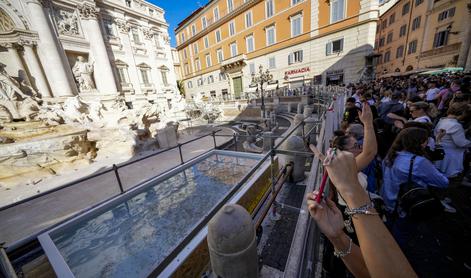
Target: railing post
235, 142
115, 169
180, 151
275, 216
214, 139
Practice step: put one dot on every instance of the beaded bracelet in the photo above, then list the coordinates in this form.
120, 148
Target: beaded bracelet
340, 254
361, 210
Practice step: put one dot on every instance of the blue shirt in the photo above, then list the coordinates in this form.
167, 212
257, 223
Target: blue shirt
424, 174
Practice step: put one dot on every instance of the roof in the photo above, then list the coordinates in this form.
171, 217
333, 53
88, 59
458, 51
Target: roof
186, 19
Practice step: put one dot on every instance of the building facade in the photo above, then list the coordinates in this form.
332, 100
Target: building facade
414, 35
101, 48
300, 41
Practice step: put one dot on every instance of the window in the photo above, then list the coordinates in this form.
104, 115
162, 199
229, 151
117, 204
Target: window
185, 56
387, 56
416, 23
441, 39
157, 40
135, 36
187, 69
248, 19
400, 51
233, 47
337, 10
270, 33
389, 38
271, 62
189, 84
210, 79
182, 36
295, 57
208, 60
269, 8
222, 76
412, 47
335, 46
231, 28
206, 42
163, 73
249, 43
193, 29
381, 41
144, 73
204, 23
384, 24
220, 55
200, 81
418, 2
218, 35
128, 3
392, 18
195, 48
446, 14
212, 93
216, 13
122, 73
403, 30
296, 25
230, 5
405, 8
294, 2
198, 64
109, 28
252, 68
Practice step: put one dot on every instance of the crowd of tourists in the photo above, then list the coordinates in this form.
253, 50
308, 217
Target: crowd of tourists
403, 143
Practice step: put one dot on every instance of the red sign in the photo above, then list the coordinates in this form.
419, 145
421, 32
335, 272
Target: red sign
296, 71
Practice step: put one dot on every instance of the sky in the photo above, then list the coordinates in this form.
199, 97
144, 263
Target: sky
176, 11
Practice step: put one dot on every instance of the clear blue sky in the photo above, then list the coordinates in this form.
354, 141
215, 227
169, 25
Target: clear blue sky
176, 11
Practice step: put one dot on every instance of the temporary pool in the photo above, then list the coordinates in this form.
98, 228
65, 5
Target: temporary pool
131, 235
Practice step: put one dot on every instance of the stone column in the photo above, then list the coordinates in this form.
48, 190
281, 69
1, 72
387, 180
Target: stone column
50, 52
15, 66
103, 73
39, 80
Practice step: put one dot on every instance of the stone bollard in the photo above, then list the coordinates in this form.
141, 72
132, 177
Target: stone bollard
268, 141
300, 108
308, 110
290, 107
309, 123
298, 118
232, 243
295, 143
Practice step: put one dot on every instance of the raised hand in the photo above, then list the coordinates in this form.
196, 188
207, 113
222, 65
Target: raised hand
327, 215
366, 116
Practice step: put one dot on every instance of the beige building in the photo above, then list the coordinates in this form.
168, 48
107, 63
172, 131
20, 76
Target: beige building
417, 34
92, 48
300, 41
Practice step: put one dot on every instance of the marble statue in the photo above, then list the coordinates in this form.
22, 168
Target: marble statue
14, 103
83, 73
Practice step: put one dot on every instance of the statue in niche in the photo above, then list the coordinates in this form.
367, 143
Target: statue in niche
67, 23
83, 73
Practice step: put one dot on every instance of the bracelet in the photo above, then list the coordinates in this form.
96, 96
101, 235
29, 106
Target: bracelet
341, 254
361, 210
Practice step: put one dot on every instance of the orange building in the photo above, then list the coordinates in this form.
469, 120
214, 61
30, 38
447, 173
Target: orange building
414, 35
300, 41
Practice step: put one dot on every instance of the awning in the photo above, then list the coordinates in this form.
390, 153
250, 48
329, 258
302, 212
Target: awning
250, 90
271, 87
440, 71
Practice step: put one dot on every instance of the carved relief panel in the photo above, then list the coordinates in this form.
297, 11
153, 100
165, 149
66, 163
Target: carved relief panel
67, 22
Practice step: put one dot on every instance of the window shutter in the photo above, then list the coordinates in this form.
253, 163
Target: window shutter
328, 48
300, 56
341, 45
290, 59
435, 40
451, 12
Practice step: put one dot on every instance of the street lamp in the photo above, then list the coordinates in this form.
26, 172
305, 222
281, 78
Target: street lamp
263, 77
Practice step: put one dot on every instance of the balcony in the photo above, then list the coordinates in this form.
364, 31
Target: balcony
441, 50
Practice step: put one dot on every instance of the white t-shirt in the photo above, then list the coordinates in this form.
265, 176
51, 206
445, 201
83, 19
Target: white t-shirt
423, 119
